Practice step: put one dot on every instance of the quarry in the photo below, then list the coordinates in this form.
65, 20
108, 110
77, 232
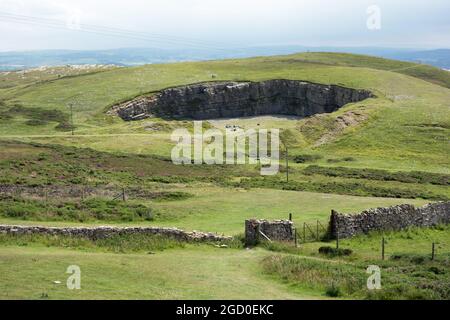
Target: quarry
213, 100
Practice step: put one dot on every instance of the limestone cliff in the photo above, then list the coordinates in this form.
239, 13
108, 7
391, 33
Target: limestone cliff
241, 99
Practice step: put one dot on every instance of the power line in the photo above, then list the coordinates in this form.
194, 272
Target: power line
109, 31
105, 28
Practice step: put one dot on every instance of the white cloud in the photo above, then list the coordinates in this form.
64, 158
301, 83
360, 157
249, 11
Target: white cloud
313, 22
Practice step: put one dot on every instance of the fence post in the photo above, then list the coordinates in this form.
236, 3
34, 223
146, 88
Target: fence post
317, 230
295, 234
304, 232
290, 216
432, 251
123, 195
382, 248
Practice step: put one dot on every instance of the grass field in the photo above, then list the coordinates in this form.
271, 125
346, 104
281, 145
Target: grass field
193, 273
393, 149
408, 114
30, 268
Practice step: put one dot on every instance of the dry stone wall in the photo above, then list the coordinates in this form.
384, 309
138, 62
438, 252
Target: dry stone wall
106, 232
241, 99
390, 218
280, 230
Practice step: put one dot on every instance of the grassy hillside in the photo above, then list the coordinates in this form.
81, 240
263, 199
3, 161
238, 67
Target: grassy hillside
405, 128
384, 151
421, 71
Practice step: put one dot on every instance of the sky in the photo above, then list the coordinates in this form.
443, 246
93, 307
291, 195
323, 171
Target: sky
87, 24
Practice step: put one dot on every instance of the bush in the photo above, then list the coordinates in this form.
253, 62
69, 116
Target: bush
91, 209
302, 158
116, 243
401, 292
64, 126
36, 122
334, 252
359, 188
333, 291
329, 277
377, 174
411, 258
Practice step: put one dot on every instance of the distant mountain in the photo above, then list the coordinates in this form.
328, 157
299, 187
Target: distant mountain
138, 56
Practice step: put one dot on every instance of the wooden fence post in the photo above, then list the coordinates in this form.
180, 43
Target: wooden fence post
123, 195
317, 230
295, 234
290, 216
304, 232
382, 248
432, 251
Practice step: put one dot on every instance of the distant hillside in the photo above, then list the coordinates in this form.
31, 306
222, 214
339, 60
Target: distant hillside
439, 58
140, 56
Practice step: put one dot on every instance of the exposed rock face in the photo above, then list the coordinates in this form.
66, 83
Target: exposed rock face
391, 218
106, 232
241, 99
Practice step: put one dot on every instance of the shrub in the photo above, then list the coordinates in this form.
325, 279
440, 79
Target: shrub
90, 209
302, 158
36, 122
333, 291
378, 174
64, 126
334, 252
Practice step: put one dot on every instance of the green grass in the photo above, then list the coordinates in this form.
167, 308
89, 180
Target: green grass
396, 149
421, 71
46, 184
114, 244
407, 127
407, 272
224, 210
38, 75
424, 281
190, 273
122, 268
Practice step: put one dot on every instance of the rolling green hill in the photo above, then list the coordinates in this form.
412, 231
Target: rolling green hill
387, 150
406, 127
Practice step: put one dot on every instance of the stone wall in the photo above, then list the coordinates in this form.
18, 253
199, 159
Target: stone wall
391, 218
105, 232
280, 230
241, 99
